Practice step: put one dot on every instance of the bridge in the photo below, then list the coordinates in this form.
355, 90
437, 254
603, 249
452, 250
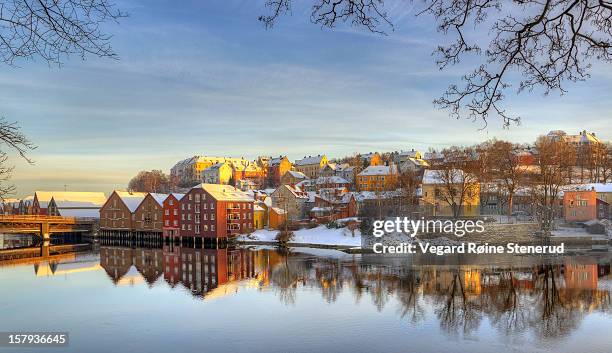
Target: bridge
44, 226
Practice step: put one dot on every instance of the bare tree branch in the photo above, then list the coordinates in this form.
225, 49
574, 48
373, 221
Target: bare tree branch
54, 29
547, 42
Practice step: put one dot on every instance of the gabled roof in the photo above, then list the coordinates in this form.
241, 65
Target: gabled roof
310, 160
224, 192
93, 198
379, 170
296, 191
277, 160
131, 199
331, 180
177, 195
159, 198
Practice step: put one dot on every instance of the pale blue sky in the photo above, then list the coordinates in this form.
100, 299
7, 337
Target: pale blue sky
207, 78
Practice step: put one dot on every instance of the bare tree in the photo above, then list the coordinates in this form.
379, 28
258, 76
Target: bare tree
458, 183
553, 157
548, 42
151, 181
508, 169
50, 30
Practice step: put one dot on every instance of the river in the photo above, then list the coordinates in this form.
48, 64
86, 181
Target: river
123, 299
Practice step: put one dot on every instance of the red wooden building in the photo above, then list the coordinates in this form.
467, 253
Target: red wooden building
215, 211
171, 215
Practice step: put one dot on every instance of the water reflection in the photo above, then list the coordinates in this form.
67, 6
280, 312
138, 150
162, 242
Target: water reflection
546, 299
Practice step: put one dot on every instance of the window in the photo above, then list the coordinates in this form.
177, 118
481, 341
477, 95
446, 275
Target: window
212, 227
167, 222
197, 207
249, 206
171, 202
188, 206
190, 197
167, 212
189, 216
212, 216
197, 218
205, 216
189, 227
205, 228
175, 223
183, 207
175, 212
183, 227
197, 198
204, 206
197, 229
183, 217
212, 206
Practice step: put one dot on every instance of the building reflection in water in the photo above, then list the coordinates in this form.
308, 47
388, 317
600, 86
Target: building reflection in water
549, 300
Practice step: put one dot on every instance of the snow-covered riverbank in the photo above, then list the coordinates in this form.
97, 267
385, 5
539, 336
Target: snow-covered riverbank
320, 235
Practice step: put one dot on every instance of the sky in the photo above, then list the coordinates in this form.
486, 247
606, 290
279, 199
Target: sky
207, 78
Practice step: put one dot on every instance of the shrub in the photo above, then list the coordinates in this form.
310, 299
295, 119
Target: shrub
284, 237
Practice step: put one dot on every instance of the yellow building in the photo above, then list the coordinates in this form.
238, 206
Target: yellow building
260, 216
192, 168
435, 192
310, 165
219, 173
378, 178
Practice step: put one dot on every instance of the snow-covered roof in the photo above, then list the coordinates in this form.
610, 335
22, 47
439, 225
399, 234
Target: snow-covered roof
371, 195
94, 198
344, 167
411, 153
295, 191
256, 207
331, 180
131, 199
225, 192
379, 170
277, 160
432, 176
296, 174
310, 160
279, 210
178, 196
159, 198
599, 187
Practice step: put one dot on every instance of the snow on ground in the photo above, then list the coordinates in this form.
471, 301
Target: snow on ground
319, 235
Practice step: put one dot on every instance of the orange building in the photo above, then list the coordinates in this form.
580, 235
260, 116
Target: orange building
277, 216
580, 205
276, 169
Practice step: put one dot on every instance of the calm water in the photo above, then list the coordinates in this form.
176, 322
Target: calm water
245, 300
